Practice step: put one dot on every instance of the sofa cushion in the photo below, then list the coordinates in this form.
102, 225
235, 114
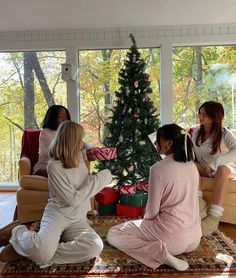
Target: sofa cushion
208, 183
34, 182
24, 166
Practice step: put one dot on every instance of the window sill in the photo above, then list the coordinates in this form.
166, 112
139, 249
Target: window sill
9, 186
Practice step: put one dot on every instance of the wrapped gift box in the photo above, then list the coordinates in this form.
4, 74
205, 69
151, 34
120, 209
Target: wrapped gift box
107, 195
101, 153
142, 185
138, 199
129, 211
109, 209
127, 189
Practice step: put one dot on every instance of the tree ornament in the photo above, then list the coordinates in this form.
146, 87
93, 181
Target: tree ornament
145, 121
136, 84
136, 115
121, 138
146, 97
131, 167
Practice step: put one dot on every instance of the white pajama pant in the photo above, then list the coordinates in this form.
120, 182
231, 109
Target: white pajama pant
79, 241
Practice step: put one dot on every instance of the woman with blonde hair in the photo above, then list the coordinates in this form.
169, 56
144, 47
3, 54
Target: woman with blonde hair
64, 236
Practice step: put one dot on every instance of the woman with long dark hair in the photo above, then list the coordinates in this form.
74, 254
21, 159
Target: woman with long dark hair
55, 115
215, 148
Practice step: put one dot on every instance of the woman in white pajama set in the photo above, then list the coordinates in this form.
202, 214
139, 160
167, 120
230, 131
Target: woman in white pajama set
171, 223
215, 148
70, 187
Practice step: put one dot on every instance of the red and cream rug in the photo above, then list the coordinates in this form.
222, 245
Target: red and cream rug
216, 255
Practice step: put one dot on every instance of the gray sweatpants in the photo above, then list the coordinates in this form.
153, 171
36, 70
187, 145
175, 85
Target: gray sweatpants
79, 241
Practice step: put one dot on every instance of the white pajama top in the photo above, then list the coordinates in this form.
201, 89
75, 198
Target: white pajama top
70, 189
226, 155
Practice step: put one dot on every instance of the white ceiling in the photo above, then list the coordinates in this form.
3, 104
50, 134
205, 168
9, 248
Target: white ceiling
32, 15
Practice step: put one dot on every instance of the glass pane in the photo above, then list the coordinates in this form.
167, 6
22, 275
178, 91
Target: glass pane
99, 71
29, 83
201, 74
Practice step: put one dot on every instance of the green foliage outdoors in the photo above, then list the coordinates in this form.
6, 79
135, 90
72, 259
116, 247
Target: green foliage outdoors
99, 70
200, 73
12, 103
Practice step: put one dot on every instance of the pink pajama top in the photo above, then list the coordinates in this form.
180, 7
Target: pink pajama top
45, 138
173, 199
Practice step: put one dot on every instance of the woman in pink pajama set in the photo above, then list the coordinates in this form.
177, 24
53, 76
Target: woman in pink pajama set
171, 224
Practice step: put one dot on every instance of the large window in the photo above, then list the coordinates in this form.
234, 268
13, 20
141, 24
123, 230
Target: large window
201, 74
29, 83
99, 71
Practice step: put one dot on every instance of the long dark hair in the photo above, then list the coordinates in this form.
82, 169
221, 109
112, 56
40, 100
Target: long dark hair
50, 119
178, 136
215, 111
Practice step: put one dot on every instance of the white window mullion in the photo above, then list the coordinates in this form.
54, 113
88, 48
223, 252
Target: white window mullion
166, 97
73, 94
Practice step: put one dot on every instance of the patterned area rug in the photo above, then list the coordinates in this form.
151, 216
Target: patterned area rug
215, 255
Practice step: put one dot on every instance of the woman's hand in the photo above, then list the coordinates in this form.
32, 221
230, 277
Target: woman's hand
210, 172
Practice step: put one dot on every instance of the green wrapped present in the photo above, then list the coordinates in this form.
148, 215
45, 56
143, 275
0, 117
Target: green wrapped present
134, 200
106, 209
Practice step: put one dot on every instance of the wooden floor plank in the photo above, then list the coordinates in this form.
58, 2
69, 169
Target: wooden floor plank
7, 207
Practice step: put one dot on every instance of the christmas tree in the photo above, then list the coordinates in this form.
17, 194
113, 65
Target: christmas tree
133, 119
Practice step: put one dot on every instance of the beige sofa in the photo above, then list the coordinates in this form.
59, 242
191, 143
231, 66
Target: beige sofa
229, 215
32, 195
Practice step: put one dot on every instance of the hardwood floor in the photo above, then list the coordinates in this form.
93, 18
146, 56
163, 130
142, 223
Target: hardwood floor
7, 208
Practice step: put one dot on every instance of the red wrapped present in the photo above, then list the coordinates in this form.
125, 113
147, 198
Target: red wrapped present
142, 185
101, 153
127, 189
107, 195
129, 211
